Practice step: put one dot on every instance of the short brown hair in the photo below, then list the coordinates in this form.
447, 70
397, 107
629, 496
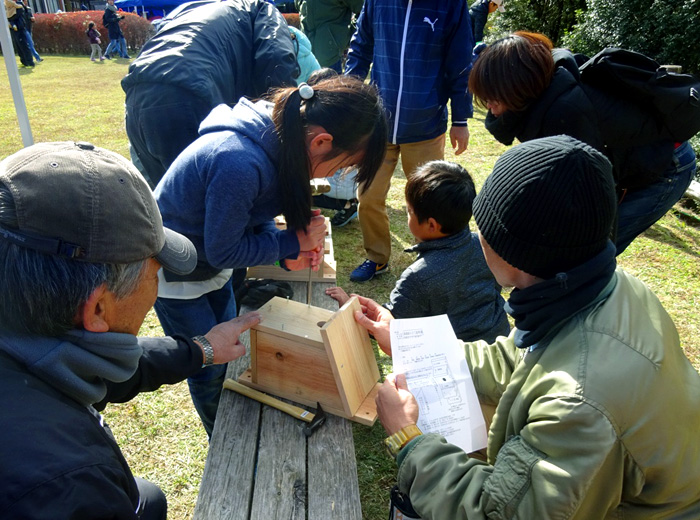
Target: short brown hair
514, 70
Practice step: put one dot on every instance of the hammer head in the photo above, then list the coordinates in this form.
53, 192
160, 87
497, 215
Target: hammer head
316, 422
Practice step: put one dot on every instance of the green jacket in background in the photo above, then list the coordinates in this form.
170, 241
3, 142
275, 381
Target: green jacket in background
601, 421
328, 24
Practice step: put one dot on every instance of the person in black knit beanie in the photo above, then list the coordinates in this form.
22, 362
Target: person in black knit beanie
578, 390
573, 180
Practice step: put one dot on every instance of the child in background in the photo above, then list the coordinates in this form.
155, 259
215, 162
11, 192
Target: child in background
94, 36
450, 275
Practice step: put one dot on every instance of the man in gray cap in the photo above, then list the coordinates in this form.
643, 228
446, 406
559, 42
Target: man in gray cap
597, 407
81, 241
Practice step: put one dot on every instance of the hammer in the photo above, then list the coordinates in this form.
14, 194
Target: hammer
314, 420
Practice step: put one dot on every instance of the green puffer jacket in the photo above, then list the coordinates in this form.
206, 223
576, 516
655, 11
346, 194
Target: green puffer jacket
328, 24
601, 421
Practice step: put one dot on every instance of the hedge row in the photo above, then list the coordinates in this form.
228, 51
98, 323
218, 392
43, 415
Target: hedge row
64, 33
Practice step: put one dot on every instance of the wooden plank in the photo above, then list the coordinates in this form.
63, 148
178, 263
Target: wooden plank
231, 459
332, 473
351, 356
280, 486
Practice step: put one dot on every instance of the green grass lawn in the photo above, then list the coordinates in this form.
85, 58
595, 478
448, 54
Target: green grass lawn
72, 98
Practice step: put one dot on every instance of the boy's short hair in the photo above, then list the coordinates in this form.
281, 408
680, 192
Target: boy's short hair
444, 191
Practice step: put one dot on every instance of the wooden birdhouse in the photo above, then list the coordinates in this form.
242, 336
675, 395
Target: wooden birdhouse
308, 354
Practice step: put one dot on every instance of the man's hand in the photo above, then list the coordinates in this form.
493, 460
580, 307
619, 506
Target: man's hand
396, 406
224, 337
338, 294
459, 137
376, 319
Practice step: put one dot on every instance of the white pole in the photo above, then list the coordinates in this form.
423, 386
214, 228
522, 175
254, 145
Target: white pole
13, 75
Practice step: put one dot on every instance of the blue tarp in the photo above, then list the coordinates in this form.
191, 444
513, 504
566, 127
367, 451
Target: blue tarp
158, 4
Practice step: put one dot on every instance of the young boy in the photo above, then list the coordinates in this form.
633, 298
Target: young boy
450, 275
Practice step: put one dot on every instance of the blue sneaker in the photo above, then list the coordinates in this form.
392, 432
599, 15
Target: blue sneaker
368, 270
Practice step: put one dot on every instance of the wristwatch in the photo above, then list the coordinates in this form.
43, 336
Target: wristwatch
395, 442
208, 350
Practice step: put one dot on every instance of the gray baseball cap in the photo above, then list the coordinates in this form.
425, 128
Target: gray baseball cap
79, 201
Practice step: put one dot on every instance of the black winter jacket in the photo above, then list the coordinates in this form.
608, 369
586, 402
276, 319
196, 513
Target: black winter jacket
219, 51
56, 459
623, 131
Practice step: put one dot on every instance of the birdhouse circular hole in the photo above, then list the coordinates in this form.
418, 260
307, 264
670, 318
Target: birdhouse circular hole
321, 324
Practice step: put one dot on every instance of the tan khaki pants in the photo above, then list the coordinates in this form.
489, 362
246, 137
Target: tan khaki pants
374, 220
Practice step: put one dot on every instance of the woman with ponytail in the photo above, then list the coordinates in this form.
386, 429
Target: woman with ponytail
252, 162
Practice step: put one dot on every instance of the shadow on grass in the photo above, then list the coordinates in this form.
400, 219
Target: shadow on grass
671, 233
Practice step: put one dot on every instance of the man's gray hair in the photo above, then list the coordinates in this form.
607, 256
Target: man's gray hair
43, 294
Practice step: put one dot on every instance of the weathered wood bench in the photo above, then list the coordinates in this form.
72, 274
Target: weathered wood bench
260, 465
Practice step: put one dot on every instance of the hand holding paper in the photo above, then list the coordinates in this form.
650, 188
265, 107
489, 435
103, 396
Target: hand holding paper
396, 406
427, 351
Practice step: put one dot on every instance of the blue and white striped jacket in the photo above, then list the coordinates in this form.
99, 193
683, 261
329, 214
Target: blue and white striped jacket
421, 53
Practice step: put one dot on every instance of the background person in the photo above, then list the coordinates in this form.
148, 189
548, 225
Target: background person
528, 96
591, 369
329, 26
16, 23
208, 54
29, 21
94, 37
81, 240
117, 42
420, 59
251, 163
479, 12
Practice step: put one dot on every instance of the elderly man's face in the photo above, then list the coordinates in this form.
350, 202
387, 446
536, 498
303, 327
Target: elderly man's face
128, 313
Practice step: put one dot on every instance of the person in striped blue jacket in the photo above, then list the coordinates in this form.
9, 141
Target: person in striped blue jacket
421, 53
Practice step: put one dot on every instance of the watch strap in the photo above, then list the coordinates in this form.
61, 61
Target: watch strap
398, 440
208, 350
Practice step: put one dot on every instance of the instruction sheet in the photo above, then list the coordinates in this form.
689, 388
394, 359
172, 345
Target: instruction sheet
427, 351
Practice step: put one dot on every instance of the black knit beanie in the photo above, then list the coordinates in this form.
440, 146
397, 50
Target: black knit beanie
548, 206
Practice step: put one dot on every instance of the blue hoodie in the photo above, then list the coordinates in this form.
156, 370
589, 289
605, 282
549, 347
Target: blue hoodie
222, 191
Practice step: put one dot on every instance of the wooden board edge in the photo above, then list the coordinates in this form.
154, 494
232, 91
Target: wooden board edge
367, 412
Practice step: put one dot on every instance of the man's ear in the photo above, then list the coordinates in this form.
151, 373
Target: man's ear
92, 316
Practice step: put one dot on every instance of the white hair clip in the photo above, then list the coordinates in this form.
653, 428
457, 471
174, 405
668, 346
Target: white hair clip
306, 91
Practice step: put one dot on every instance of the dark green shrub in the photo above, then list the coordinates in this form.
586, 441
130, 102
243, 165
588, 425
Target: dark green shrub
64, 33
661, 29
555, 19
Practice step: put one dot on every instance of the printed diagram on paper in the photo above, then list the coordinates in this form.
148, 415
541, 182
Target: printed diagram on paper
428, 352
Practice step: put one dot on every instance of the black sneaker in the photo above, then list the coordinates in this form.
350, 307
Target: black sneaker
344, 215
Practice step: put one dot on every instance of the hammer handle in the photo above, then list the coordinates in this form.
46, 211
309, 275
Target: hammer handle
290, 409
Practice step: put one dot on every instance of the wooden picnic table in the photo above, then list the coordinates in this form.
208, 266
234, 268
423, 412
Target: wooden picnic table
261, 466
